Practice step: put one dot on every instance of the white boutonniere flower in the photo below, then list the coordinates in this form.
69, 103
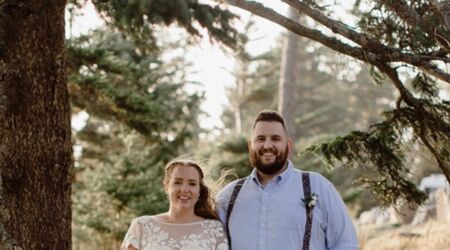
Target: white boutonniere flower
310, 201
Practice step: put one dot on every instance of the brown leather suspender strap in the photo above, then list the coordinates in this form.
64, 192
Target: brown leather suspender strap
309, 212
233, 197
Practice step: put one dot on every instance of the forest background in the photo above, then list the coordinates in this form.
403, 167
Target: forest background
365, 97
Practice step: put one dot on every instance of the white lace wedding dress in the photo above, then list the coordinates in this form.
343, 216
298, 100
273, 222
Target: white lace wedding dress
149, 233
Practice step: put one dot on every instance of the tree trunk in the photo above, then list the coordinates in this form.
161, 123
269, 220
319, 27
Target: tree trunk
288, 78
240, 81
35, 132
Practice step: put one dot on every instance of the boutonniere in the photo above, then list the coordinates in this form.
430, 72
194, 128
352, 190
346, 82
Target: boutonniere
310, 201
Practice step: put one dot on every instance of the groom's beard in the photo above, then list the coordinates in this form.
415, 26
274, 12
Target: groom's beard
271, 168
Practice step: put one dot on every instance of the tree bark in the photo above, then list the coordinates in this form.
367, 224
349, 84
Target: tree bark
288, 76
35, 132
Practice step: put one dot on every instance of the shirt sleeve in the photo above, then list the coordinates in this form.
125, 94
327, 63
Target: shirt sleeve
133, 236
222, 200
340, 232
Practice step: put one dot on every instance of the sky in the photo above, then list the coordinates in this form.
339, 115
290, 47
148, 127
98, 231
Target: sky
214, 66
211, 64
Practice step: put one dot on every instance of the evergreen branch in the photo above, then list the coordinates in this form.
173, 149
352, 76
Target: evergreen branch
435, 58
387, 54
410, 16
337, 27
444, 13
393, 75
371, 51
333, 43
378, 149
441, 163
422, 116
405, 12
381, 148
134, 15
112, 81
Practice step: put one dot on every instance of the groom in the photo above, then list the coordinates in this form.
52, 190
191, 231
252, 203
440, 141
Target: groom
279, 207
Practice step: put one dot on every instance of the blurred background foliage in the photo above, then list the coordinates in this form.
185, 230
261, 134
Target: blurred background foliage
129, 78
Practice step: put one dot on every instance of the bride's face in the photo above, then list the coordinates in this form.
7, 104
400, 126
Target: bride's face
183, 187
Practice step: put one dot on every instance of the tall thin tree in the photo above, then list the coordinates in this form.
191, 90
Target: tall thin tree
288, 76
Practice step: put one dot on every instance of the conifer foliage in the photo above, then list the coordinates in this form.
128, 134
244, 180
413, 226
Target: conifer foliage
390, 36
136, 16
138, 108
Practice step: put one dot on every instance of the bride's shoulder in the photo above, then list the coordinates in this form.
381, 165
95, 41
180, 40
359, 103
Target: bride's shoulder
214, 223
144, 219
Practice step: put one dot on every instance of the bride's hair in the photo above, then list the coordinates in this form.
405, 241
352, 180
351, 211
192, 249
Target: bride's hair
204, 206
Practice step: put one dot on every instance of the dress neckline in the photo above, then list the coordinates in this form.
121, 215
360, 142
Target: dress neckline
156, 219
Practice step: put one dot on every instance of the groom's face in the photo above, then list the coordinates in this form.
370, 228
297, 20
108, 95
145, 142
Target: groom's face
269, 147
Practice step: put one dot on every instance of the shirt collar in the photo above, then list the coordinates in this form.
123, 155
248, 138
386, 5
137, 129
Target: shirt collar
279, 179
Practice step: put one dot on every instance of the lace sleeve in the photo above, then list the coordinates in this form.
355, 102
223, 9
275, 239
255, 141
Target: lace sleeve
222, 241
133, 236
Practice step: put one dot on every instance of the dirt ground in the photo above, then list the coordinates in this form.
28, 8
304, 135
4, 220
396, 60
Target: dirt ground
432, 235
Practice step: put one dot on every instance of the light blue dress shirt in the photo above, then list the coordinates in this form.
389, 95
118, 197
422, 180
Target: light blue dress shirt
273, 217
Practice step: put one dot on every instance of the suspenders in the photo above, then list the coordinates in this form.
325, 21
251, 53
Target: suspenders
309, 214
234, 195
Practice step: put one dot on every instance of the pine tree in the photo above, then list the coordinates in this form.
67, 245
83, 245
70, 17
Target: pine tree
36, 152
389, 36
144, 116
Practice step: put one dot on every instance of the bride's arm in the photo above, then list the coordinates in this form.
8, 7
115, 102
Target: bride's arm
133, 237
222, 239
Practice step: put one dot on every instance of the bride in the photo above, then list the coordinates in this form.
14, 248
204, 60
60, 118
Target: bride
190, 223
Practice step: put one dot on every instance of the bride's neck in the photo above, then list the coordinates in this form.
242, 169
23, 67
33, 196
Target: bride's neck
181, 216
